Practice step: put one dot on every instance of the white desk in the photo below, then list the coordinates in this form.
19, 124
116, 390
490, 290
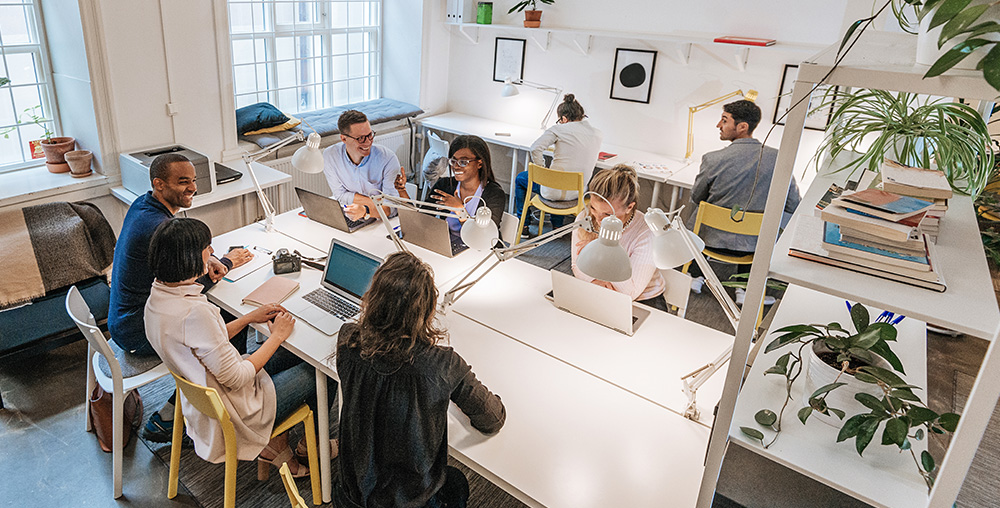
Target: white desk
884, 477
681, 174
650, 363
267, 177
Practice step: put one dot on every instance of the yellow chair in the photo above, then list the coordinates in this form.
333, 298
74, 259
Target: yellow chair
207, 401
290, 488
555, 179
718, 217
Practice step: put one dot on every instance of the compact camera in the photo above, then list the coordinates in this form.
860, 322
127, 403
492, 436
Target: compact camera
286, 262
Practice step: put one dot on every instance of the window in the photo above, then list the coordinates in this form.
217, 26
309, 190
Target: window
28, 96
302, 56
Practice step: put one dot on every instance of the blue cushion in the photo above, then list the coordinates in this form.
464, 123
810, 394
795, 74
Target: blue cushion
258, 116
46, 316
324, 121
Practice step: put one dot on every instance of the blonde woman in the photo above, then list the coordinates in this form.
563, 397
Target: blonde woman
620, 186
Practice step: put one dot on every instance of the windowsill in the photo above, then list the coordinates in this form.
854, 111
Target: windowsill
38, 183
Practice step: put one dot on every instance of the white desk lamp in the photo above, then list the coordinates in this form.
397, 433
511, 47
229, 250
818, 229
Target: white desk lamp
603, 259
674, 245
307, 159
509, 90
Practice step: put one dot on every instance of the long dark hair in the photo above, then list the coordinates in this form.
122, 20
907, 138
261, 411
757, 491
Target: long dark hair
397, 311
480, 149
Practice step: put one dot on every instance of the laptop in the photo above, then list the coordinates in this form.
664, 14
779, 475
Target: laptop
326, 210
347, 275
429, 232
595, 303
226, 174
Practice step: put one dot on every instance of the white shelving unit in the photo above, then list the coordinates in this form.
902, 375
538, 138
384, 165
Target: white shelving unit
583, 39
882, 61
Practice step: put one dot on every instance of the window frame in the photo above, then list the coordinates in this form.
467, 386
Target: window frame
322, 26
46, 88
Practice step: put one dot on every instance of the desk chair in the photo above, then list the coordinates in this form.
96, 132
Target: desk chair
290, 488
125, 375
718, 217
207, 401
555, 179
678, 289
435, 163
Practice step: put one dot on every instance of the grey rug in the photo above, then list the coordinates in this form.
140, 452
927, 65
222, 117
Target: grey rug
981, 488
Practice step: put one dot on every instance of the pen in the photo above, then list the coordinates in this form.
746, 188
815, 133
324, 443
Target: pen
261, 249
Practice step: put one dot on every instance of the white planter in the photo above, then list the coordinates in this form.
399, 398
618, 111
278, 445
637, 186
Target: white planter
819, 374
927, 49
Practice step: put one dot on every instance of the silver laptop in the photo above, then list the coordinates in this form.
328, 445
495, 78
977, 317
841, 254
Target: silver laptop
429, 232
598, 304
347, 275
326, 210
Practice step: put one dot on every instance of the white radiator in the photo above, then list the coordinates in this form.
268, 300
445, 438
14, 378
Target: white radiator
398, 141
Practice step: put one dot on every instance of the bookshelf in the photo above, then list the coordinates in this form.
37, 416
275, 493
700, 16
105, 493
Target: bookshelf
883, 61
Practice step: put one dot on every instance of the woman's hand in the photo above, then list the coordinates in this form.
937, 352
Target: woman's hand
604, 284
265, 313
282, 325
449, 200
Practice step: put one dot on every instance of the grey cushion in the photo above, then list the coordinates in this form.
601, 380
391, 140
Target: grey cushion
131, 365
325, 120
570, 203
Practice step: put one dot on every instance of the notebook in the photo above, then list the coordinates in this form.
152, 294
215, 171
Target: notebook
598, 304
347, 275
273, 290
429, 232
326, 210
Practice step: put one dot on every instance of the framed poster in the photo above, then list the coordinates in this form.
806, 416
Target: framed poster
816, 120
633, 75
508, 59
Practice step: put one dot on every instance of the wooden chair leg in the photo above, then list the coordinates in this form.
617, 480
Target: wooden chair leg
524, 215
314, 473
230, 489
541, 222
175, 447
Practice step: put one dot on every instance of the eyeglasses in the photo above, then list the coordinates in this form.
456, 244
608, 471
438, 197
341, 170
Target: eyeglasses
363, 139
460, 162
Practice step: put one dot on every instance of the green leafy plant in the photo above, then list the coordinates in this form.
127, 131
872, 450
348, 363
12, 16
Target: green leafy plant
35, 114
902, 126
4, 81
962, 21
520, 6
739, 280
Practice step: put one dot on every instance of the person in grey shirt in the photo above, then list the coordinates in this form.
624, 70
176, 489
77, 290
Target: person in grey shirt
727, 178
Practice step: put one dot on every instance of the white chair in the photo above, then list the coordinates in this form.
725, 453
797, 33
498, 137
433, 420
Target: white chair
678, 289
432, 167
115, 384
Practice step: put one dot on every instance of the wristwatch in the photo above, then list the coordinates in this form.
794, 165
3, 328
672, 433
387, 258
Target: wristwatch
368, 212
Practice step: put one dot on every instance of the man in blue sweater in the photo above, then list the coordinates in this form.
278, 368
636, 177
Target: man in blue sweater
172, 177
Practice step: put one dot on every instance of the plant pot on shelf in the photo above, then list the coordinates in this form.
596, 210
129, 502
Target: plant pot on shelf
532, 19
55, 149
820, 373
79, 163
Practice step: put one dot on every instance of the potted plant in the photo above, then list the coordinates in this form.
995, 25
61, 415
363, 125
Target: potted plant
876, 124
882, 397
532, 16
54, 147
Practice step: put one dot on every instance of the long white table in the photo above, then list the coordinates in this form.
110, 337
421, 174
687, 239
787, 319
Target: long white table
680, 174
593, 418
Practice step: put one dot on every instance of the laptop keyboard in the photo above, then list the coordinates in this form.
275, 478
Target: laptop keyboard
351, 224
332, 303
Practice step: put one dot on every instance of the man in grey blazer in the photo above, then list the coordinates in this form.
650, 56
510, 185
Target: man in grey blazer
727, 178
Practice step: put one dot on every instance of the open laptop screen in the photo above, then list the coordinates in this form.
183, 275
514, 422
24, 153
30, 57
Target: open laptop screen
349, 270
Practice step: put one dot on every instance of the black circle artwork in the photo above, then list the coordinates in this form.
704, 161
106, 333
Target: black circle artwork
632, 75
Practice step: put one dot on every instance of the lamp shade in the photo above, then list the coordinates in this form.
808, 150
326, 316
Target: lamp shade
605, 258
308, 159
509, 90
481, 232
670, 251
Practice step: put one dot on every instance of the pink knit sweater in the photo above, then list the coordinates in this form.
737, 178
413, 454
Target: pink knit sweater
637, 240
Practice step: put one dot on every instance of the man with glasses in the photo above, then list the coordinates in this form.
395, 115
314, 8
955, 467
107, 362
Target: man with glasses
357, 169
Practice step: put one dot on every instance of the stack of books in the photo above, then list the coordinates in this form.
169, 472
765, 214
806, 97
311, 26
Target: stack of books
926, 184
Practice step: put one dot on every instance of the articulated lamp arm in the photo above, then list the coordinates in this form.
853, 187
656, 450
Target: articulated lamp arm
250, 158
382, 200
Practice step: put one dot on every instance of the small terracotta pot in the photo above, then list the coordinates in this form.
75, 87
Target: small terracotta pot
56, 148
57, 167
532, 19
79, 162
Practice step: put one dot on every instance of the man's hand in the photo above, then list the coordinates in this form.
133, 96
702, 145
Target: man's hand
216, 270
400, 182
354, 211
239, 257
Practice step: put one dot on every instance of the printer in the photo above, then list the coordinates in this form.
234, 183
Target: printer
135, 168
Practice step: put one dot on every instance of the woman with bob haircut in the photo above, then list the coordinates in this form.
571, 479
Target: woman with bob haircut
191, 338
397, 381
472, 170
620, 186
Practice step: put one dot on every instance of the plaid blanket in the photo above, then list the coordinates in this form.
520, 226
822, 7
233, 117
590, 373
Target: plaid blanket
50, 246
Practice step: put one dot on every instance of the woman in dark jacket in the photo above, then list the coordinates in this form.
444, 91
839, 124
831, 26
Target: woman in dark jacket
397, 383
469, 161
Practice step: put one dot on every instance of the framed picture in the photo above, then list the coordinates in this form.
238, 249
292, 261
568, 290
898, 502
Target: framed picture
817, 120
508, 59
633, 75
